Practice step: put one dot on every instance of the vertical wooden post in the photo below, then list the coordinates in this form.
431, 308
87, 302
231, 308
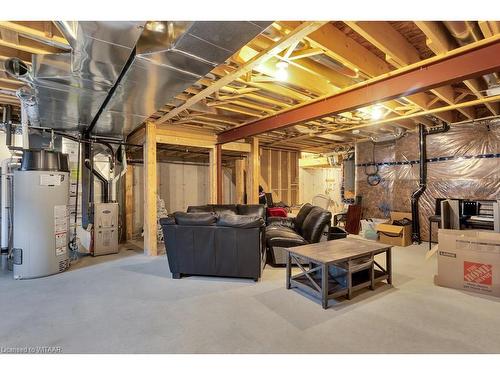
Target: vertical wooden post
239, 180
150, 190
218, 160
280, 180
212, 175
253, 172
129, 202
289, 175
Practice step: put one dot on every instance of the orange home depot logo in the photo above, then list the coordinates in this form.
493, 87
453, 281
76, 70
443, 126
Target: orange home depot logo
478, 273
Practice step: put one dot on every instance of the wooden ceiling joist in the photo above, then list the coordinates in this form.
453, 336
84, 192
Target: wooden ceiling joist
439, 42
44, 36
463, 63
399, 53
296, 35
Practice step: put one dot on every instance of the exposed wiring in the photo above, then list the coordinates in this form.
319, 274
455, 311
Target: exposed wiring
373, 178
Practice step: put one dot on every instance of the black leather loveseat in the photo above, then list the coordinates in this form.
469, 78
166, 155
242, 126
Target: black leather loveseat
307, 227
207, 243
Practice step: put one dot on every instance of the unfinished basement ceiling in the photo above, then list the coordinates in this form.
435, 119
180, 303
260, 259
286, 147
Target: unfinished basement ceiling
118, 73
319, 59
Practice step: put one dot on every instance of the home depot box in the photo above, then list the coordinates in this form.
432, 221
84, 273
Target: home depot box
469, 260
395, 235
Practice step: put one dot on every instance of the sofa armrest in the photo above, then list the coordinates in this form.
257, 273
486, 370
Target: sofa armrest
282, 221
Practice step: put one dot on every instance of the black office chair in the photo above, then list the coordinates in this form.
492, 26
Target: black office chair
436, 218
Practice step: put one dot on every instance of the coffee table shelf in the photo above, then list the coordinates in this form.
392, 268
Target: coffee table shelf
316, 279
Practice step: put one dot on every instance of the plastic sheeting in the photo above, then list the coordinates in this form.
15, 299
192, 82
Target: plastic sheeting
463, 163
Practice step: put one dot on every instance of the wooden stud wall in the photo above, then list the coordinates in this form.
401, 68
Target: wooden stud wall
280, 174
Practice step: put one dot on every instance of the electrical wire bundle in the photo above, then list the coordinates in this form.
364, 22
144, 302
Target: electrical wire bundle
373, 178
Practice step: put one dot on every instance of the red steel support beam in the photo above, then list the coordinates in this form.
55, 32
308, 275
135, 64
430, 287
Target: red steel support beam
471, 63
218, 160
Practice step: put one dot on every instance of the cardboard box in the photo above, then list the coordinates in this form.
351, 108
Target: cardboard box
469, 260
395, 235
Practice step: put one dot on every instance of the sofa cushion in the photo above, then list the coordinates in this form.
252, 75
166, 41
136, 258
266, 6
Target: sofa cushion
301, 216
221, 209
252, 209
169, 220
283, 237
280, 221
205, 208
277, 227
314, 224
240, 221
195, 218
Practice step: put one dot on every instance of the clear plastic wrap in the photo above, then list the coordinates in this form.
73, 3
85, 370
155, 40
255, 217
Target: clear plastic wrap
463, 163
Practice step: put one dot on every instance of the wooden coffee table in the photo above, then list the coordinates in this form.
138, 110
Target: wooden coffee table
315, 279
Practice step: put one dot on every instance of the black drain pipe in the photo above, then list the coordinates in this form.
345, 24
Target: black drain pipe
422, 135
88, 170
87, 184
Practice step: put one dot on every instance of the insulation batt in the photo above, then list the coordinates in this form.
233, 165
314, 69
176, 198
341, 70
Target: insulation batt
460, 178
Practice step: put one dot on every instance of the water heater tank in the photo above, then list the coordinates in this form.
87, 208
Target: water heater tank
41, 220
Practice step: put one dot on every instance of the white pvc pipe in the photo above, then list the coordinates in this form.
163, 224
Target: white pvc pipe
5, 200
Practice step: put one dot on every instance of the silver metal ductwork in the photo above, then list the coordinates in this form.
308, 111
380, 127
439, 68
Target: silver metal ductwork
155, 61
71, 87
171, 56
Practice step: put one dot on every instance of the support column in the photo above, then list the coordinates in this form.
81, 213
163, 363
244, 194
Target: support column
129, 202
218, 154
239, 174
150, 190
215, 173
253, 172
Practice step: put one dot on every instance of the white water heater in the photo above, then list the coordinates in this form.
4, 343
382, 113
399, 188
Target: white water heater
41, 219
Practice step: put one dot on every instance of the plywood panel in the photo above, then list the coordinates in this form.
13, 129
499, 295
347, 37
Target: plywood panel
279, 174
275, 167
325, 181
284, 173
138, 217
180, 186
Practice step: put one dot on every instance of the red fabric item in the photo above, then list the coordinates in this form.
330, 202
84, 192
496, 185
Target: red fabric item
276, 212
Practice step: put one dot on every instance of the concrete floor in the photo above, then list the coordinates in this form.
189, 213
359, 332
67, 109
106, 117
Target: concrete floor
128, 303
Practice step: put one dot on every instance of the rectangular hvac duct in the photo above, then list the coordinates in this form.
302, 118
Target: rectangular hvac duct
171, 56
167, 57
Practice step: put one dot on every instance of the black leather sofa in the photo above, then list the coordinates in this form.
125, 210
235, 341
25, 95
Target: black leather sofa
236, 209
213, 242
307, 227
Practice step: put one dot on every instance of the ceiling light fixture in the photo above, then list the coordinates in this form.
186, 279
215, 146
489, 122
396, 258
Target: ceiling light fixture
281, 71
377, 113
